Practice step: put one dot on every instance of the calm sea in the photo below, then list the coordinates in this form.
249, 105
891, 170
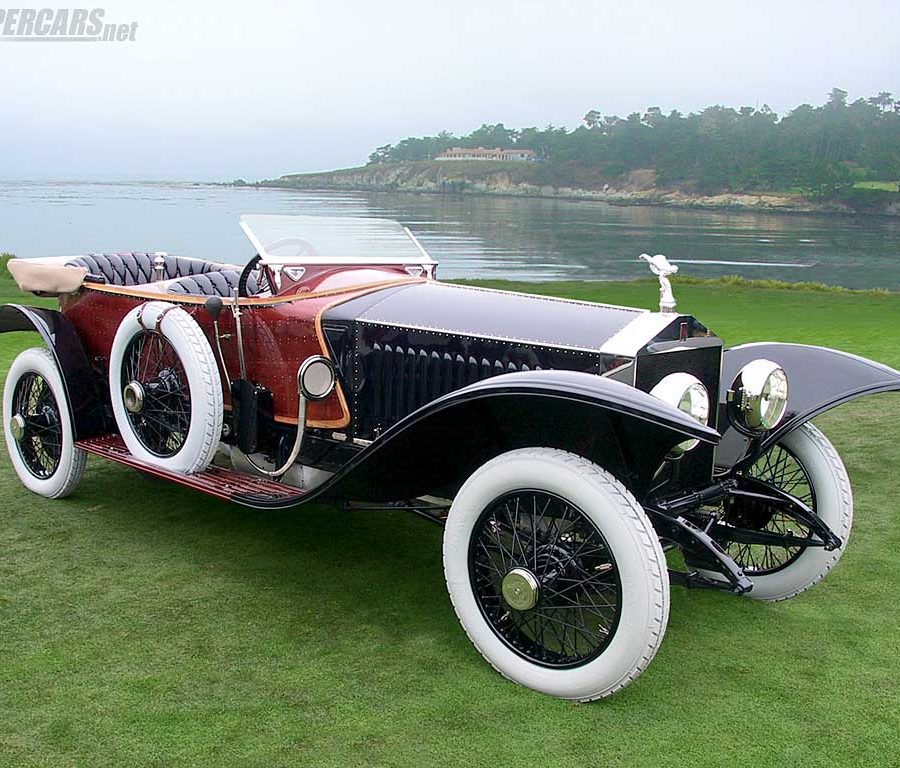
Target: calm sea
526, 239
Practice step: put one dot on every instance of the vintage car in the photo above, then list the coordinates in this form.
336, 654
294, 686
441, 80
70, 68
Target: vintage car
565, 446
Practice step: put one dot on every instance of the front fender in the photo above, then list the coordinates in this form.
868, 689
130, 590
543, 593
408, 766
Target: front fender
624, 430
819, 379
85, 406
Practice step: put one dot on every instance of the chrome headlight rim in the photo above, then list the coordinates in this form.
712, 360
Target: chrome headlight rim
316, 377
688, 394
758, 397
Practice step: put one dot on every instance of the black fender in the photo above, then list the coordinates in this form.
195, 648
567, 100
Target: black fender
818, 379
86, 408
626, 431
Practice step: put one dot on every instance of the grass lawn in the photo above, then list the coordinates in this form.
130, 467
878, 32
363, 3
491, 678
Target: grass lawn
884, 186
146, 625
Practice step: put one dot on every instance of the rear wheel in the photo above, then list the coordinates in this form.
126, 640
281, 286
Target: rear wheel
556, 574
39, 434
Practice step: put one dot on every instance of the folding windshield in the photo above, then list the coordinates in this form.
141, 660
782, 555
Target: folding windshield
332, 240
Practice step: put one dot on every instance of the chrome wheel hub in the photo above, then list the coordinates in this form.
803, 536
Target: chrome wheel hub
521, 589
17, 427
133, 397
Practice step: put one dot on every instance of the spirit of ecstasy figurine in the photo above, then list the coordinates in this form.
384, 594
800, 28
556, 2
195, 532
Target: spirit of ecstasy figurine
660, 266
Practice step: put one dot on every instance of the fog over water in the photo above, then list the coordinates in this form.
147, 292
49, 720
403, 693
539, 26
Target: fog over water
516, 238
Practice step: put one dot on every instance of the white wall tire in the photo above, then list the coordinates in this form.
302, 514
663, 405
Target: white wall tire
187, 442
639, 562
827, 477
35, 370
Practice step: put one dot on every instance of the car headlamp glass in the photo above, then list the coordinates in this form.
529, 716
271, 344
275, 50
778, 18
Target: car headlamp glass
686, 393
759, 396
316, 378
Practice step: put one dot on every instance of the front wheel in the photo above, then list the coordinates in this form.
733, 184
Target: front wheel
805, 465
556, 574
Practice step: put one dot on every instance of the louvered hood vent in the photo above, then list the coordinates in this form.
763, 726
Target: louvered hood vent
402, 379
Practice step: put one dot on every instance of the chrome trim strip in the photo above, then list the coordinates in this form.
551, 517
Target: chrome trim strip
425, 255
638, 333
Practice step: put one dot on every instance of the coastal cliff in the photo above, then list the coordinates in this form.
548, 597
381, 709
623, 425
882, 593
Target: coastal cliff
563, 182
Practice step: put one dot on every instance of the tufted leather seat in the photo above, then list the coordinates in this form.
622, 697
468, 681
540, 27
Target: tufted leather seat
191, 276
138, 269
211, 283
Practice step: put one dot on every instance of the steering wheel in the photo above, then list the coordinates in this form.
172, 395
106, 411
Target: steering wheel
301, 249
245, 276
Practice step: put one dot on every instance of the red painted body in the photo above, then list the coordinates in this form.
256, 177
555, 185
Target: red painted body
279, 332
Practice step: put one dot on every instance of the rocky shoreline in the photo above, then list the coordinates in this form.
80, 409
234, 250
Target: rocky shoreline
524, 180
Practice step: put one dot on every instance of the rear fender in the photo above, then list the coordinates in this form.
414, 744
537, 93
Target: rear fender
819, 379
434, 449
86, 408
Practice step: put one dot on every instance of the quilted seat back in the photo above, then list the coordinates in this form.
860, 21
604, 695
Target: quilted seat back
195, 277
138, 269
213, 284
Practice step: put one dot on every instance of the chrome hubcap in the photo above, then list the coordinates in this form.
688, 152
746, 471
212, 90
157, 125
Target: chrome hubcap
133, 397
521, 589
17, 427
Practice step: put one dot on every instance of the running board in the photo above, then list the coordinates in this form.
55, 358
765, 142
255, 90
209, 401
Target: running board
225, 484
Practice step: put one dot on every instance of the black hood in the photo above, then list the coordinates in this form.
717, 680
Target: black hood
504, 315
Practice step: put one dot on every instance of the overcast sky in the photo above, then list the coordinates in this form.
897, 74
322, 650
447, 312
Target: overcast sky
208, 91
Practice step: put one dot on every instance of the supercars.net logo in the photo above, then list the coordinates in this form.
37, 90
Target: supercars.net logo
60, 25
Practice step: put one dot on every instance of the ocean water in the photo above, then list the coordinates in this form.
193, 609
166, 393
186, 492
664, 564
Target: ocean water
471, 236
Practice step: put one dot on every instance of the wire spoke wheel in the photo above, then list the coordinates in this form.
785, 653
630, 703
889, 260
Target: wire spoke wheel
555, 573
165, 389
40, 445
544, 578
781, 469
161, 416
806, 466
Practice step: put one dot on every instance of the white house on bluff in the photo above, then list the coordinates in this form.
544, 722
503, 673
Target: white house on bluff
480, 153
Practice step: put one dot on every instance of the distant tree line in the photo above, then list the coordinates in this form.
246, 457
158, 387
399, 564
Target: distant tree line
818, 150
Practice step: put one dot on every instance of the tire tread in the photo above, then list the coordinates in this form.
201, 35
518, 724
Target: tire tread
645, 535
74, 471
206, 392
846, 493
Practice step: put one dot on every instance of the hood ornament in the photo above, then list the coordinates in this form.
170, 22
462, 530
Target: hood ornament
660, 266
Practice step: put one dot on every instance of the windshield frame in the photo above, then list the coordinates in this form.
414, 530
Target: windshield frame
345, 240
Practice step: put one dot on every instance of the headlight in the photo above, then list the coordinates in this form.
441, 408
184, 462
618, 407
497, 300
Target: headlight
687, 394
316, 377
759, 396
